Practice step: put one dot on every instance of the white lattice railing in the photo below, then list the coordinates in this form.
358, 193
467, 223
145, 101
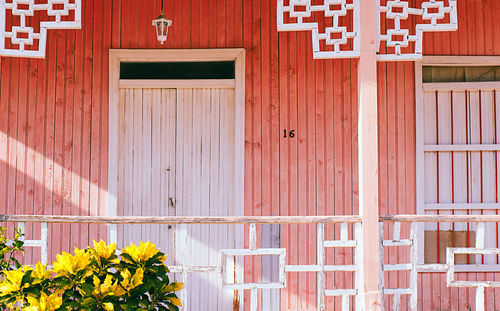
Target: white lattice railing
350, 227
414, 266
230, 272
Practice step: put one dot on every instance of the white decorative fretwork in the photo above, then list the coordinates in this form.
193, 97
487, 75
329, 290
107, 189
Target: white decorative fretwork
22, 40
322, 267
230, 270
478, 250
411, 267
414, 266
297, 15
335, 41
435, 15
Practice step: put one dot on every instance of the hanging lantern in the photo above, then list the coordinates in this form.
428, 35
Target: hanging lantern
161, 24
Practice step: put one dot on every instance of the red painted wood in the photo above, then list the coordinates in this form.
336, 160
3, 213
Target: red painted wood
329, 178
20, 147
293, 192
284, 182
4, 135
76, 182
256, 105
49, 139
67, 147
30, 153
38, 146
60, 96
103, 156
86, 127
97, 51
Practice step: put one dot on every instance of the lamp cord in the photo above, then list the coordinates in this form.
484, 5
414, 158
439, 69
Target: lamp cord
161, 7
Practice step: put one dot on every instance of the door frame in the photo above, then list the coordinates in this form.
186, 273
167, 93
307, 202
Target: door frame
419, 120
117, 56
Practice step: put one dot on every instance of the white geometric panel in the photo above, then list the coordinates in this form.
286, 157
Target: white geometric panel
297, 14
436, 15
61, 14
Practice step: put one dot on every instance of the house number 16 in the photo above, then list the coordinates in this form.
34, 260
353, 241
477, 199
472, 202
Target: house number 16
288, 133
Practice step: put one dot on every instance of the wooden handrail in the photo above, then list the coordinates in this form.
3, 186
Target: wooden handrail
440, 218
240, 219
180, 219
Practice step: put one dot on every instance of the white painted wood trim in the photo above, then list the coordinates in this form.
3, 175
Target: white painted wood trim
114, 76
239, 153
459, 148
420, 159
177, 55
461, 206
461, 61
461, 86
370, 295
458, 268
441, 218
177, 84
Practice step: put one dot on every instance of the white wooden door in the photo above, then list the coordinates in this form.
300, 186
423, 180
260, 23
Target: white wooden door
461, 128
176, 157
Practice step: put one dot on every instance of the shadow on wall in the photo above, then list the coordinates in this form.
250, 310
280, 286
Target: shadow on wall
34, 184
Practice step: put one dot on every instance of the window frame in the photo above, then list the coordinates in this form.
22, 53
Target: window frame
420, 86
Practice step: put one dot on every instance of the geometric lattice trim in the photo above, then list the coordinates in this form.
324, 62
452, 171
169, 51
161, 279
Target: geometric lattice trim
229, 267
229, 270
412, 289
450, 262
435, 15
322, 267
298, 14
22, 40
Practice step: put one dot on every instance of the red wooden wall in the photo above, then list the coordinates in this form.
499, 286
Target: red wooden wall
54, 121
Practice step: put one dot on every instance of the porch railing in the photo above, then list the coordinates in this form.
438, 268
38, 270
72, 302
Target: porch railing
231, 272
416, 264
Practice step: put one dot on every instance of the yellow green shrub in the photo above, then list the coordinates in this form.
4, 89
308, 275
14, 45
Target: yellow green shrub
95, 278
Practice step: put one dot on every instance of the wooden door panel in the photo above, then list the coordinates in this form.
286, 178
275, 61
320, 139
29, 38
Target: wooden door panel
176, 157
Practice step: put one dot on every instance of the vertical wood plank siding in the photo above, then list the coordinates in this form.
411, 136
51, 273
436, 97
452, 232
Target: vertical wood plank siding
54, 124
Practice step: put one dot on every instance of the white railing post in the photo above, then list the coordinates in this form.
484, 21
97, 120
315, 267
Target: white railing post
321, 263
253, 236
181, 242
480, 241
253, 246
382, 260
480, 235
414, 263
480, 298
253, 299
358, 234
42, 243
45, 246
